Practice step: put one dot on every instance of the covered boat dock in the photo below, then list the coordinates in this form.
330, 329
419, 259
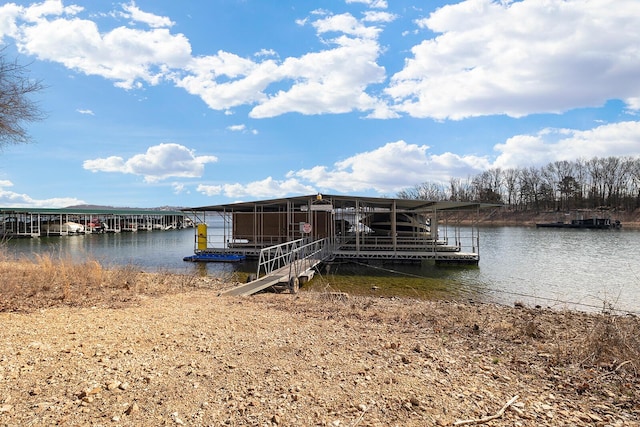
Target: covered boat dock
37, 222
278, 232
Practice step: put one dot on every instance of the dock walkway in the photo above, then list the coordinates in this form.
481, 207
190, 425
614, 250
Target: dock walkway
290, 276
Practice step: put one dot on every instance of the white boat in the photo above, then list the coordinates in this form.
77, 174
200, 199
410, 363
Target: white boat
68, 227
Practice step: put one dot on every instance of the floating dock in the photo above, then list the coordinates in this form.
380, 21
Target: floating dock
589, 223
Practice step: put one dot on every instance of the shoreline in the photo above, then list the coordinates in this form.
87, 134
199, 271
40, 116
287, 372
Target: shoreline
313, 359
85, 346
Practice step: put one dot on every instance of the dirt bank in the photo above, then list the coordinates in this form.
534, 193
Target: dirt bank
134, 355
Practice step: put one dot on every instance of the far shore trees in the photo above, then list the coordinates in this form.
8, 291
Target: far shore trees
597, 183
16, 106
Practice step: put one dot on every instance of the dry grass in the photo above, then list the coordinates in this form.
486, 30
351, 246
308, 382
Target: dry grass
47, 281
614, 342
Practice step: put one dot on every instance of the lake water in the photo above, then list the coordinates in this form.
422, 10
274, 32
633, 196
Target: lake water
588, 270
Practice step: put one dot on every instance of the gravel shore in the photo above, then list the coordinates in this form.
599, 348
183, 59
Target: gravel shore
191, 357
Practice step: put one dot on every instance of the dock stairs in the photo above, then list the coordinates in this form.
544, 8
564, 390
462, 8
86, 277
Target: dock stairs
285, 266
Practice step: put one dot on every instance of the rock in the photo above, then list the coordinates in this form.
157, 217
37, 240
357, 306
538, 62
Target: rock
6, 408
276, 419
176, 419
132, 409
595, 418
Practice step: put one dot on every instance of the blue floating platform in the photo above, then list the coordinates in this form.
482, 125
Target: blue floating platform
206, 257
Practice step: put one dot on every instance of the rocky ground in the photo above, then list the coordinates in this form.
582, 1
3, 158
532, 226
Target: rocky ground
185, 356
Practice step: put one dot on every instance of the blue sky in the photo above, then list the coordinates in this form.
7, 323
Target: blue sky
158, 102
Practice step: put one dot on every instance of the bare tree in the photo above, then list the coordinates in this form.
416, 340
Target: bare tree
510, 184
16, 107
559, 177
612, 182
425, 191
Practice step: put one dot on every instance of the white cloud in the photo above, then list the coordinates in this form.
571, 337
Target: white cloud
125, 55
150, 19
266, 188
489, 58
179, 188
18, 200
242, 129
549, 145
334, 80
8, 26
85, 111
398, 165
378, 4
209, 190
345, 24
159, 162
374, 16
38, 11
244, 80
390, 168
519, 58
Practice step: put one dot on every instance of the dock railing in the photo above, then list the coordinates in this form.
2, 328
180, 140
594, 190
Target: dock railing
292, 254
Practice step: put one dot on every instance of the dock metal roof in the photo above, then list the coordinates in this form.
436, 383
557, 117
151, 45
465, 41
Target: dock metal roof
89, 211
343, 202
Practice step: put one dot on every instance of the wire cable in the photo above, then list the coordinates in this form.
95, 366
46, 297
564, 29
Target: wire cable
499, 291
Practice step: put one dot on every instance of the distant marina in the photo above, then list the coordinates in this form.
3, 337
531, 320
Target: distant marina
34, 222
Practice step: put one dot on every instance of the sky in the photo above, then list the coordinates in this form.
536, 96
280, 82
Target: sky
155, 103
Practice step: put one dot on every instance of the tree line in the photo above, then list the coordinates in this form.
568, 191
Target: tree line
607, 182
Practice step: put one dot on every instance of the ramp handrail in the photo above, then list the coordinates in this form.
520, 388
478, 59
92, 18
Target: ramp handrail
278, 256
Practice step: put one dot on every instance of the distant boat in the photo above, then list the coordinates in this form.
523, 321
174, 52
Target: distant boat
591, 223
213, 257
68, 227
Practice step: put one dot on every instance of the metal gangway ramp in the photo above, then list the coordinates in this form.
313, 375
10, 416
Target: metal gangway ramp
285, 264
